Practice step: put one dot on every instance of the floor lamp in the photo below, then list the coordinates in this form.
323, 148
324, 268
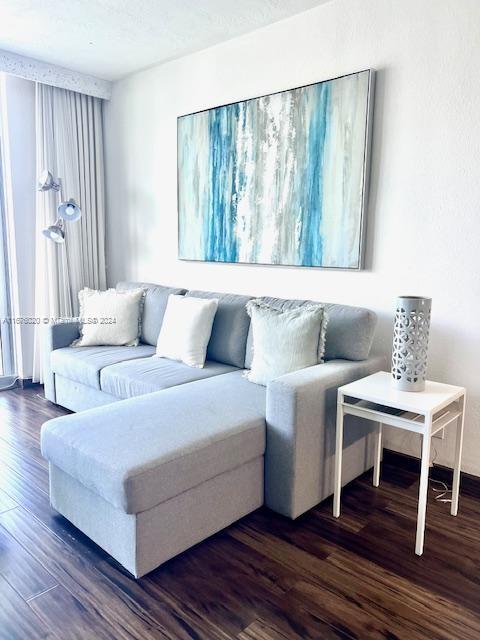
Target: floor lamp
67, 210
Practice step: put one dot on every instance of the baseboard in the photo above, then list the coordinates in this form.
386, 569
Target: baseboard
469, 483
27, 383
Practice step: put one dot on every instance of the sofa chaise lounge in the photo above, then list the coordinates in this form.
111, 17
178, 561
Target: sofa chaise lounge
159, 455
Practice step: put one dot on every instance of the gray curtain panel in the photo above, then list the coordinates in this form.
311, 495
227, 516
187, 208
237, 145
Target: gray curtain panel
70, 144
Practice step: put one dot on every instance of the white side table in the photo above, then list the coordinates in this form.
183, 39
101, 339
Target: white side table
425, 412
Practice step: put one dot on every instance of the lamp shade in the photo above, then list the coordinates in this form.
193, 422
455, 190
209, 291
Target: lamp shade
69, 210
46, 182
55, 232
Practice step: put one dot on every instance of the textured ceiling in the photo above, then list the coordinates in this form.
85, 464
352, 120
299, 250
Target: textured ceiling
112, 38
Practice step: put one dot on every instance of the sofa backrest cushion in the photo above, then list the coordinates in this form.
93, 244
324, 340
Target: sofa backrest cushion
350, 330
230, 327
156, 298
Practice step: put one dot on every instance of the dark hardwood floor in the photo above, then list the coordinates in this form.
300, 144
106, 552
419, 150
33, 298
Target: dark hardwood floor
264, 578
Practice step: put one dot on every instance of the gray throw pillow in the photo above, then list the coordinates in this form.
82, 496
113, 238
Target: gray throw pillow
285, 340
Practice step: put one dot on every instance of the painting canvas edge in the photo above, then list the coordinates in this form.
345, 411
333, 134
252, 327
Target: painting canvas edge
367, 156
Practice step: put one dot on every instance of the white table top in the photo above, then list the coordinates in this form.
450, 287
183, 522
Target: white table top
378, 388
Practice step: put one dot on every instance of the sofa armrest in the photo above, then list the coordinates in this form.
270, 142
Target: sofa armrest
56, 336
300, 414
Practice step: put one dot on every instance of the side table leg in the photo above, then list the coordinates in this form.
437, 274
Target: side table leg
422, 495
378, 456
338, 458
458, 458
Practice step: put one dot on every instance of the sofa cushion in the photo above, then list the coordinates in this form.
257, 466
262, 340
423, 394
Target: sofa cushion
350, 330
137, 453
155, 303
230, 327
83, 364
137, 377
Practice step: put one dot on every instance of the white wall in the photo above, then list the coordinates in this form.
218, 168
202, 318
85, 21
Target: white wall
18, 120
424, 219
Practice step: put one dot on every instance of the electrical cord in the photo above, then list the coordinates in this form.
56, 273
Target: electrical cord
445, 490
441, 493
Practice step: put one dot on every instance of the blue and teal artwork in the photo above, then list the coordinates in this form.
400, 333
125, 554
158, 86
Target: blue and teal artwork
279, 179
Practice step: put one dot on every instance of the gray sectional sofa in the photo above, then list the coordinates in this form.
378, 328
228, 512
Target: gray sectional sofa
159, 455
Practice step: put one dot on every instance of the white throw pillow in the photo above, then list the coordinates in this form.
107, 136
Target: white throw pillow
186, 329
285, 340
110, 318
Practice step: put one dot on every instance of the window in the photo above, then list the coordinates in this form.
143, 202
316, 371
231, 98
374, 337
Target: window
7, 359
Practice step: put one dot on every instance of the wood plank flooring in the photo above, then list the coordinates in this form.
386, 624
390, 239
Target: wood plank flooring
264, 578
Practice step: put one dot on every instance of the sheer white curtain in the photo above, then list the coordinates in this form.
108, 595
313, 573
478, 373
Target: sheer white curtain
69, 144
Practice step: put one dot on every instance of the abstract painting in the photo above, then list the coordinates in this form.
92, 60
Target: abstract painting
279, 179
